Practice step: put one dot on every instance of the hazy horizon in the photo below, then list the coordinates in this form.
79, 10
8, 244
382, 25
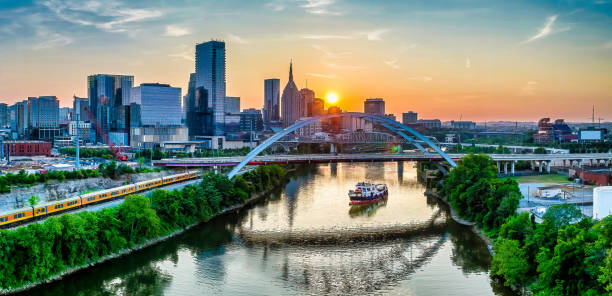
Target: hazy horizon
474, 60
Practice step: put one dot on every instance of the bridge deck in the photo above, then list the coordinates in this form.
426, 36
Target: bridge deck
364, 157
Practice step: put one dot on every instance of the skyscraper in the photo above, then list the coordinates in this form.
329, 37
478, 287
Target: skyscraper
308, 97
290, 101
374, 106
232, 105
160, 104
5, 118
271, 110
107, 93
78, 108
210, 74
410, 117
43, 117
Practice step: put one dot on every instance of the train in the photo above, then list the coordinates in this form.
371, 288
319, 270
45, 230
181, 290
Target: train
20, 216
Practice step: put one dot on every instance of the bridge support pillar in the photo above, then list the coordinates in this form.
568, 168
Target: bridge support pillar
400, 169
579, 163
332, 148
498, 167
540, 166
216, 169
607, 162
505, 167
564, 165
512, 166
532, 163
547, 166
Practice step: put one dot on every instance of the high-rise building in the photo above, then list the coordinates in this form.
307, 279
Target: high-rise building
410, 117
43, 112
210, 74
43, 117
374, 106
251, 120
290, 101
78, 108
308, 96
232, 105
5, 117
65, 114
106, 93
271, 110
21, 118
160, 104
317, 107
199, 115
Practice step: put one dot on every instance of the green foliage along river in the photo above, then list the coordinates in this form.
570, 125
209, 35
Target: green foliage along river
39, 251
304, 239
566, 254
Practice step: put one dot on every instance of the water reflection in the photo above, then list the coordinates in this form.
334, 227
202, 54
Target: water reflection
369, 209
304, 240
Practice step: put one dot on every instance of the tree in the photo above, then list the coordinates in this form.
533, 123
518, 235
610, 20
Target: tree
141, 161
561, 215
140, 221
540, 150
510, 263
34, 200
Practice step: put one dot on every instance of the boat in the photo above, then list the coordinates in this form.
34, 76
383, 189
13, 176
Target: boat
367, 193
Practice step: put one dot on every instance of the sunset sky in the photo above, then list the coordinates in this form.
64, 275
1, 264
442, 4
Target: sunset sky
478, 60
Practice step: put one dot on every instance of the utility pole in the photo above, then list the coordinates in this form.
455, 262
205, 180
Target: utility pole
251, 134
78, 165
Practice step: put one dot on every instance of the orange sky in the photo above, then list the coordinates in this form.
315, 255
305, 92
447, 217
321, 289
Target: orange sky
472, 62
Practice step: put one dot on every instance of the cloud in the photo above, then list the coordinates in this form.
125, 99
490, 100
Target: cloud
421, 78
50, 39
237, 39
108, 16
393, 64
184, 52
328, 76
320, 7
546, 30
529, 89
326, 37
275, 6
468, 63
176, 31
376, 35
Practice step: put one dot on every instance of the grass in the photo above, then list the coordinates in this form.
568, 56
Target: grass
552, 178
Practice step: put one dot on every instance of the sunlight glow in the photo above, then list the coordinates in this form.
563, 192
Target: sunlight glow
331, 98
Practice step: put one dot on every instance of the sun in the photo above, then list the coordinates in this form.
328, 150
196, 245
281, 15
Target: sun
331, 98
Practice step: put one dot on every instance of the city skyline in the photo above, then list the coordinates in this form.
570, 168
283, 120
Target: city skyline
477, 61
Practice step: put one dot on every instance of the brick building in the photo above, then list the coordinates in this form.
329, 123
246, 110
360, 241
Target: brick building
27, 148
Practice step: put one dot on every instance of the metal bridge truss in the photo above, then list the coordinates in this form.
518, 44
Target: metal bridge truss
390, 124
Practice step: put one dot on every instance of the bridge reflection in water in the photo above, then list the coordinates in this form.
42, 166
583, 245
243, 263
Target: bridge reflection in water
303, 240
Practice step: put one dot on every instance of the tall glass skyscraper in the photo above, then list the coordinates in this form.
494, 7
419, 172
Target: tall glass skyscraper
271, 100
210, 74
107, 93
160, 104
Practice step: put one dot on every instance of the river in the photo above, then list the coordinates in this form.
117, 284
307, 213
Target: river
306, 240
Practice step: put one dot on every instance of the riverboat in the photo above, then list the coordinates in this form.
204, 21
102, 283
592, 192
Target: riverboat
367, 193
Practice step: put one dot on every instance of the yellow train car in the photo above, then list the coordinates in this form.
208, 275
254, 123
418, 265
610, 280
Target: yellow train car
60, 206
24, 214
16, 216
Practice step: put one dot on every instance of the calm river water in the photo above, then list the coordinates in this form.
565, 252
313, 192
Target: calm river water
306, 240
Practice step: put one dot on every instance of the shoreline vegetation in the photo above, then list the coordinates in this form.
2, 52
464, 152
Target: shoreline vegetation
566, 254
43, 252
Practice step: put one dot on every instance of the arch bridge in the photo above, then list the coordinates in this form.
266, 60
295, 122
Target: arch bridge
402, 130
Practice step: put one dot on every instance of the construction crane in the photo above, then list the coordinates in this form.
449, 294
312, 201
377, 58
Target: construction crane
116, 151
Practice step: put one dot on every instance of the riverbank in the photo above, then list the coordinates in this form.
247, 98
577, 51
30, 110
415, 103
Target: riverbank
149, 222
477, 230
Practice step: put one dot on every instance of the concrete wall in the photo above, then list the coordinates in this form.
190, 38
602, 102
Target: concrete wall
19, 196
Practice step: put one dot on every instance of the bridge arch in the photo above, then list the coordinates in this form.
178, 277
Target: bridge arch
390, 124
